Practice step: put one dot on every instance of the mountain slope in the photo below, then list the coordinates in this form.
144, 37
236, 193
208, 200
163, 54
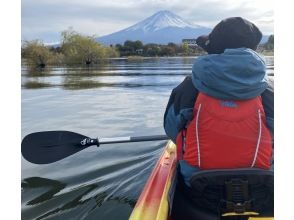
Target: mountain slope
161, 28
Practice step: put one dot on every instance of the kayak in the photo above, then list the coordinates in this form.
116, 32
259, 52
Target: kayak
153, 202
156, 199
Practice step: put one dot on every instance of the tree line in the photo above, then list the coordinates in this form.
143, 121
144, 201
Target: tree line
75, 48
137, 48
78, 49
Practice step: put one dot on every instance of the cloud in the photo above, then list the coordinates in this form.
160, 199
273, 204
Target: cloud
47, 18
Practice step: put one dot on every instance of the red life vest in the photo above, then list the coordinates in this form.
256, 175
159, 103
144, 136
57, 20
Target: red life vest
226, 134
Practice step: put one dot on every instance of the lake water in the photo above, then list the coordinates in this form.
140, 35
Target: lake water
118, 98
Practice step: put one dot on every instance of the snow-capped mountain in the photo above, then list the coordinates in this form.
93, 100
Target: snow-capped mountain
160, 20
162, 27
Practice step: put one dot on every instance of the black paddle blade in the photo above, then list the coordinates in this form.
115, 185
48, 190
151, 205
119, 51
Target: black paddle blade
50, 146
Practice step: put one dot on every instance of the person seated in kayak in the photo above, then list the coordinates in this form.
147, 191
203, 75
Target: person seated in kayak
221, 117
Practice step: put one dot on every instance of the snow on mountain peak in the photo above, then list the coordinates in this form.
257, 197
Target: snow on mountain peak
160, 20
163, 27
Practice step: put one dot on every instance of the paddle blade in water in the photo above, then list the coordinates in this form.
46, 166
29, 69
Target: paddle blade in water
51, 146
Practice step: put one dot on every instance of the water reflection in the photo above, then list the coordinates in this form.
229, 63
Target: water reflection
80, 83
73, 201
32, 71
36, 85
75, 83
48, 188
115, 73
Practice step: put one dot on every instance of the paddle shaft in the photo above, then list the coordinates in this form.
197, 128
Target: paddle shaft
117, 140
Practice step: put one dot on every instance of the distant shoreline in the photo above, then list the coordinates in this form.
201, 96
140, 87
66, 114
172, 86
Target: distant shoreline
138, 58
265, 53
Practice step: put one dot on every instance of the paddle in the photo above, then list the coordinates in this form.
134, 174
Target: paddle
50, 146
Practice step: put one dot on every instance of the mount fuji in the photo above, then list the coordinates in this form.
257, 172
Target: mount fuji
161, 28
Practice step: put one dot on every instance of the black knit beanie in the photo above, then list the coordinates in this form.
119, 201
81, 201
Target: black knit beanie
232, 32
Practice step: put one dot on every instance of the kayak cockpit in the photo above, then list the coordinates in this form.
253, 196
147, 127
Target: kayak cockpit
214, 194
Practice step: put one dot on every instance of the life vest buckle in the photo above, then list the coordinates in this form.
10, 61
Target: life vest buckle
237, 196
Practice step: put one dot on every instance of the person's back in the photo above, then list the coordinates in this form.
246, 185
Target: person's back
228, 134
226, 125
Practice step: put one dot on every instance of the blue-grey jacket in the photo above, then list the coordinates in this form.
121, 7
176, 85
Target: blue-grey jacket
236, 74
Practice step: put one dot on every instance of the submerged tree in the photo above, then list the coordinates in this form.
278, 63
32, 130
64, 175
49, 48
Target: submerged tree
79, 49
36, 53
185, 47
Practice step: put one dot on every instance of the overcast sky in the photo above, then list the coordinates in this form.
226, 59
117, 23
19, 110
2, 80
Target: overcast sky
45, 19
